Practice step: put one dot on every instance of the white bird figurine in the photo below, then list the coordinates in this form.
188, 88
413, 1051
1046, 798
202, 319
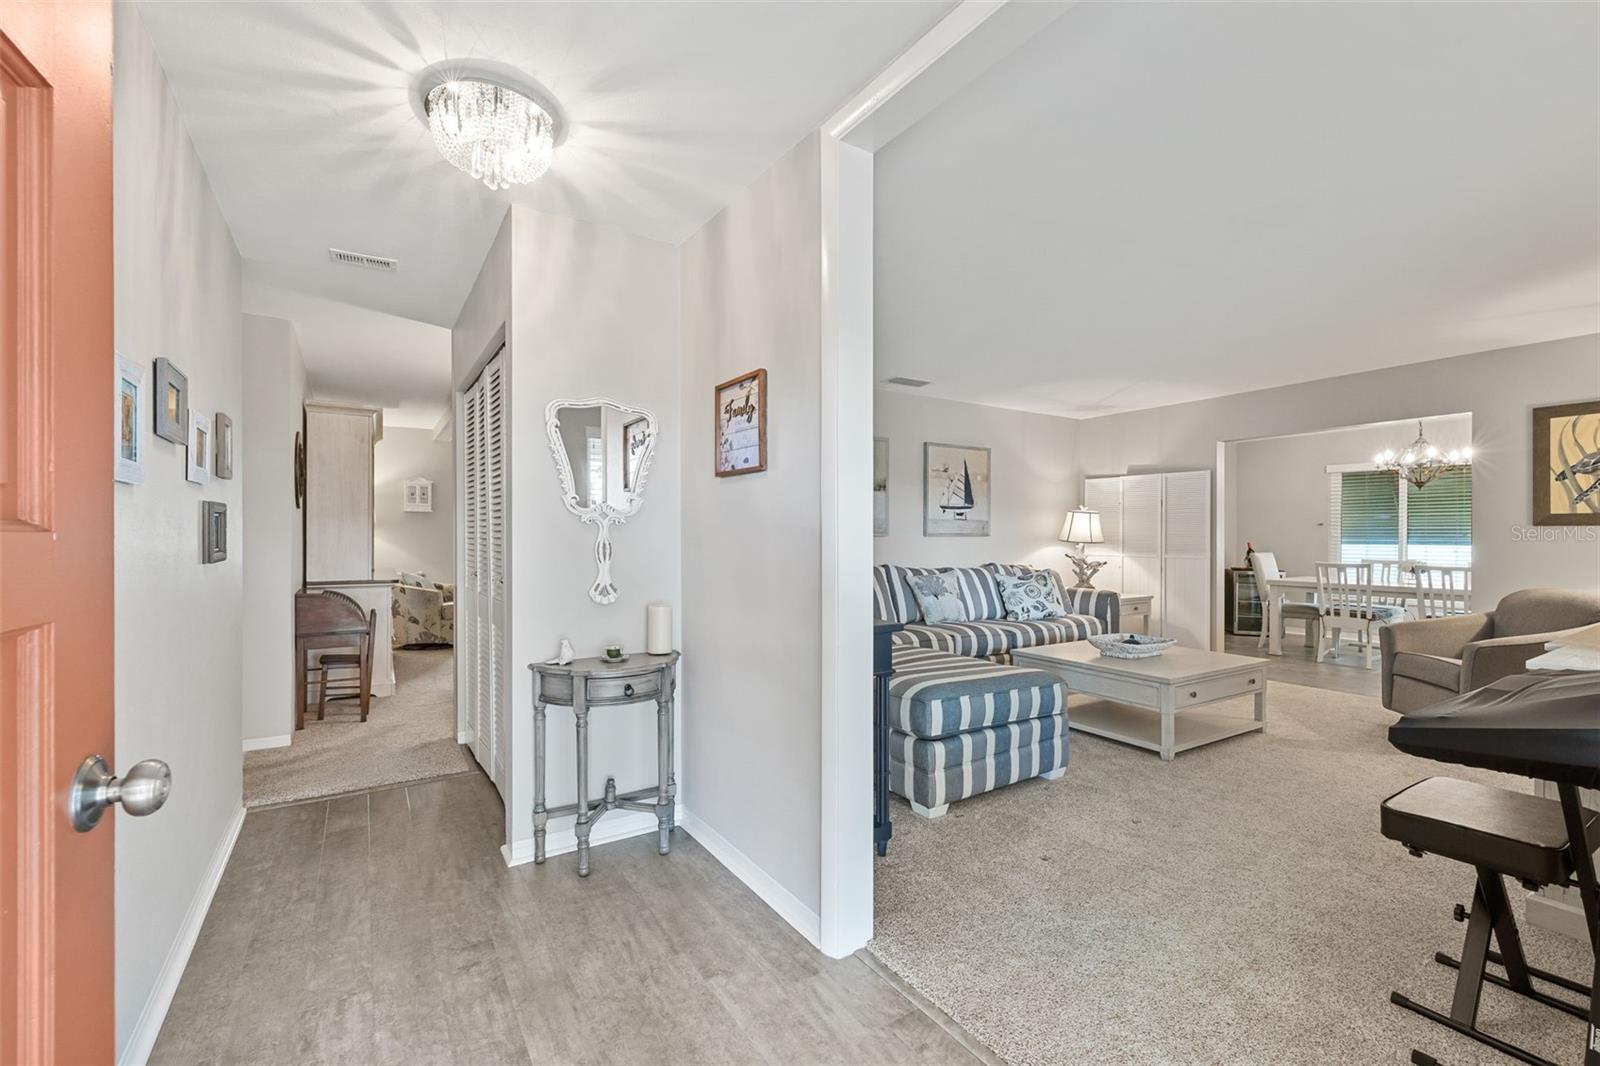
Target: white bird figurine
564, 654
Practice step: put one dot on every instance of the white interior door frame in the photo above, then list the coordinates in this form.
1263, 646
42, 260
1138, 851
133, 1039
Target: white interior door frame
964, 44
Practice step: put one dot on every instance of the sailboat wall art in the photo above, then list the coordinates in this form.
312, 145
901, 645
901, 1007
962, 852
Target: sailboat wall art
955, 491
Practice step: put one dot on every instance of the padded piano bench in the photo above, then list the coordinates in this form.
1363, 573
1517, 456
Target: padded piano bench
1499, 832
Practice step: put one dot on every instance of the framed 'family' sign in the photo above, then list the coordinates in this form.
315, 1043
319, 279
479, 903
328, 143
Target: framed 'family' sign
741, 424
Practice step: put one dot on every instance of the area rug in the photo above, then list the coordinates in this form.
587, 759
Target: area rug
1236, 905
409, 736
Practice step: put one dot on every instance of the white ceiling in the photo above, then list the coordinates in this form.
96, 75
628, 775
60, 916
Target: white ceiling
301, 113
1153, 203
355, 355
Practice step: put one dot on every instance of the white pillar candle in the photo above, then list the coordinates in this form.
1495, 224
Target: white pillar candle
657, 628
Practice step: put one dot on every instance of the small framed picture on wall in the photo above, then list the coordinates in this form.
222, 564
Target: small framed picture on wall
880, 486
224, 442
741, 424
200, 445
128, 405
955, 491
171, 403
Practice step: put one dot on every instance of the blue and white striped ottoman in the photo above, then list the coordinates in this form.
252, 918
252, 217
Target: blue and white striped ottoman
960, 727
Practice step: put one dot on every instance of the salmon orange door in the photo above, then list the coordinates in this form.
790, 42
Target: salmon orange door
56, 375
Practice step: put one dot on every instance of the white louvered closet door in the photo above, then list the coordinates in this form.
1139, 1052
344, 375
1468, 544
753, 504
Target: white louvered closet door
481, 607
467, 587
1141, 542
494, 521
1186, 557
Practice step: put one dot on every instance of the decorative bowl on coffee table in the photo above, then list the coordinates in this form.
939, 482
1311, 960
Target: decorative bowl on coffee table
1130, 645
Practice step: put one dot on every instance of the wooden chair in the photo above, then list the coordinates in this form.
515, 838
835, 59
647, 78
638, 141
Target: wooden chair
1443, 591
1265, 566
1344, 591
342, 685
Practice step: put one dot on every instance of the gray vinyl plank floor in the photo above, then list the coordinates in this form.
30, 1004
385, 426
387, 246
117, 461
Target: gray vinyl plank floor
1298, 666
384, 927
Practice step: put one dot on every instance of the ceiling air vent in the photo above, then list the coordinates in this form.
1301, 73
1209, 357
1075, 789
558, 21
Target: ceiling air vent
371, 262
910, 383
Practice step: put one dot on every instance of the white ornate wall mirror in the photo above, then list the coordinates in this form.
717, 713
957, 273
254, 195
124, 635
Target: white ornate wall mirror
602, 451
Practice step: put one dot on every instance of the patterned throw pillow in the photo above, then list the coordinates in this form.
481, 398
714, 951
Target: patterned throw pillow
938, 597
1030, 597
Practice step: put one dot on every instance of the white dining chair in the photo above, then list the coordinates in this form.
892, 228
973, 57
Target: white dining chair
1392, 573
1443, 591
1265, 565
1344, 592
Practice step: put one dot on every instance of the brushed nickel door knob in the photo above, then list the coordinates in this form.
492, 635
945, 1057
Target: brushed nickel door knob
141, 791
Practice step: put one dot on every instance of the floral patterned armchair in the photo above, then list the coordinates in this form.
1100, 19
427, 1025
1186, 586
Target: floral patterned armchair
424, 613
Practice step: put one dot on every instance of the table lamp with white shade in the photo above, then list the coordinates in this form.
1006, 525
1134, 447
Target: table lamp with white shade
1081, 528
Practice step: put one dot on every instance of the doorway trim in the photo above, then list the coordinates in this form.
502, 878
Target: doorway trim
965, 43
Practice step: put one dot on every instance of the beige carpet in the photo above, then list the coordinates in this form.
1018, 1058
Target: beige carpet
1237, 905
409, 736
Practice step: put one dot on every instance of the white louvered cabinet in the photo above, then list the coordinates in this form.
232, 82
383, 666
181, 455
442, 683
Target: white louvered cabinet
481, 599
1161, 547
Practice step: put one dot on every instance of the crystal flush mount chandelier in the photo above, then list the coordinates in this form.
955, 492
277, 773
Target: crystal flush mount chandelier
498, 134
1420, 462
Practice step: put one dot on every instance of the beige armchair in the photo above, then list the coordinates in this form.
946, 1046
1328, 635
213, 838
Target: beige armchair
424, 614
1430, 661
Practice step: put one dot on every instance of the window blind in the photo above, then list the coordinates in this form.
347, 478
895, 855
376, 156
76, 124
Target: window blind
1439, 520
1369, 516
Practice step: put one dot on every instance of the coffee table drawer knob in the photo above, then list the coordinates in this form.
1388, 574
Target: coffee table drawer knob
1194, 695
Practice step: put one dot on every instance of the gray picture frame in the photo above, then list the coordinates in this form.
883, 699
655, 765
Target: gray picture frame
880, 486
170, 401
213, 531
222, 437
942, 516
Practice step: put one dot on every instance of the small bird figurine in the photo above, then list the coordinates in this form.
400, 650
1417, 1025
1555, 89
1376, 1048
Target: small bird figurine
564, 654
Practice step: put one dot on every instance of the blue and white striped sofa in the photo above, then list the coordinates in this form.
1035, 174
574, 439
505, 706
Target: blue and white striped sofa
962, 720
990, 634
960, 726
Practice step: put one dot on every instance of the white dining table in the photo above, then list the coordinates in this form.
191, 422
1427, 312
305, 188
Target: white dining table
1279, 587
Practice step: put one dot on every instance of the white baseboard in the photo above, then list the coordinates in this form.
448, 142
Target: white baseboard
262, 743
559, 839
465, 736
142, 1040
805, 920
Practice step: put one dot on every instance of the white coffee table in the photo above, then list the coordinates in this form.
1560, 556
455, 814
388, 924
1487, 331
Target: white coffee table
1154, 703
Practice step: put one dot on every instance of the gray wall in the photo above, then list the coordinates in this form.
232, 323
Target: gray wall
751, 548
178, 623
274, 398
413, 540
1278, 487
1033, 472
601, 310
1499, 389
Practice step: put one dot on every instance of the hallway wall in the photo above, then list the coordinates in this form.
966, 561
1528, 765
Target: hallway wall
413, 540
178, 622
274, 398
752, 613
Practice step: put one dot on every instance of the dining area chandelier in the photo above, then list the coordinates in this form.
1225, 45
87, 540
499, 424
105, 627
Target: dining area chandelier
1421, 462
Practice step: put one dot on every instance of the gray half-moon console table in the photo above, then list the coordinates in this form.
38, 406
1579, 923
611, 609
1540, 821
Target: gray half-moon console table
584, 684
